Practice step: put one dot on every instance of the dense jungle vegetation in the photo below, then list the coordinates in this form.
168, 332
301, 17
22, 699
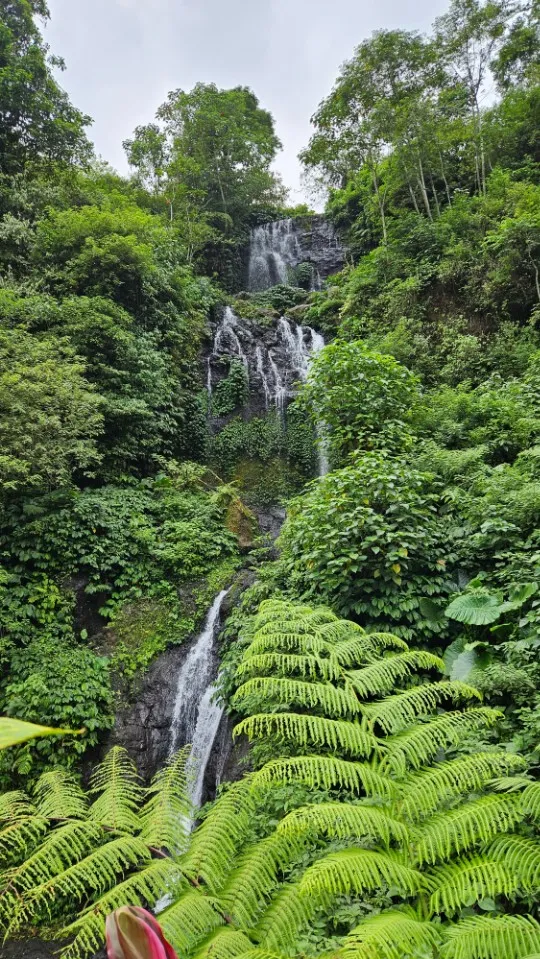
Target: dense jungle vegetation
384, 668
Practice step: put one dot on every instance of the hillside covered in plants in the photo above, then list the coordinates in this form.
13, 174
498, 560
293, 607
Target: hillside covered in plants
182, 371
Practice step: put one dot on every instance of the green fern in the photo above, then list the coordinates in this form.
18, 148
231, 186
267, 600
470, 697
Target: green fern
520, 854
357, 871
287, 914
289, 664
328, 773
530, 801
224, 944
365, 648
344, 821
470, 880
461, 829
416, 747
305, 730
486, 937
190, 920
140, 889
393, 934
164, 817
330, 699
395, 712
425, 791
380, 677
58, 795
117, 787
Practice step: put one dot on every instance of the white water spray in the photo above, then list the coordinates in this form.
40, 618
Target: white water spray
196, 718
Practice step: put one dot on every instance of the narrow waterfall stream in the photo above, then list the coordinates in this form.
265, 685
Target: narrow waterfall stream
196, 718
274, 251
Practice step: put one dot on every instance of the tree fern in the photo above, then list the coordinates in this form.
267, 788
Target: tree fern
216, 843
58, 795
380, 677
520, 854
365, 648
330, 699
327, 772
396, 712
164, 817
290, 664
469, 880
305, 730
92, 875
486, 937
419, 745
344, 821
357, 871
190, 920
142, 888
286, 915
116, 785
224, 944
425, 791
469, 825
20, 826
393, 934
530, 801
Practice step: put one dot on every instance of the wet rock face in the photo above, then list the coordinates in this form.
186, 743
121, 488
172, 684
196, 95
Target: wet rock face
143, 724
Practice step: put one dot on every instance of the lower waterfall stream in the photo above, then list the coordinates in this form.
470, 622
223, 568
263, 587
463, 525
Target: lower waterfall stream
196, 718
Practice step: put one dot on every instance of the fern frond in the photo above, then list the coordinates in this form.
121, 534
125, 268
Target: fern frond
289, 664
214, 845
256, 875
521, 855
356, 871
140, 889
344, 821
393, 934
15, 805
287, 641
326, 772
366, 648
396, 712
117, 786
466, 826
20, 835
427, 790
286, 915
340, 631
58, 795
60, 850
310, 730
466, 881
380, 677
93, 875
224, 944
191, 919
487, 937
530, 801
418, 746
165, 816
333, 700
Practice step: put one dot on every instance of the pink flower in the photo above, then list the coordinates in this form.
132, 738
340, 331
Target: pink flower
133, 933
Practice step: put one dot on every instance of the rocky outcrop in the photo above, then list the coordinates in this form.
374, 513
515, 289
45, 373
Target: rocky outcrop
320, 244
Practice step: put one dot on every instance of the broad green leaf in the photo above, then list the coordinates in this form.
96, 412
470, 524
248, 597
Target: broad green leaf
15, 731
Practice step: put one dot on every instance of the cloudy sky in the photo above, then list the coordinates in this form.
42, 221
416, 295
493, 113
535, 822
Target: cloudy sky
123, 57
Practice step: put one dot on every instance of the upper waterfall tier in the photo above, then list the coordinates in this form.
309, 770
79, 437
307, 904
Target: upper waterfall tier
277, 248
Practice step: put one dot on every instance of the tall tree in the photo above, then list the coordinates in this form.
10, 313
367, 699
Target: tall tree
38, 124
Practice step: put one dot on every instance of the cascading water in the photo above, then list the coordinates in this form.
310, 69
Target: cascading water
196, 718
274, 251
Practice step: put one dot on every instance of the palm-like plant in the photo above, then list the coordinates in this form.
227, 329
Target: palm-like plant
436, 836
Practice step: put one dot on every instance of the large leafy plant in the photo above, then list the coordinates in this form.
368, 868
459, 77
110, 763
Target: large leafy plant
377, 805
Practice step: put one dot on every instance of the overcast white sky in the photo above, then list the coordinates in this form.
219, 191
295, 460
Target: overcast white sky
123, 57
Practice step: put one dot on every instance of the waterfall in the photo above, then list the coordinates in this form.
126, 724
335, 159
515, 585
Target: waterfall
227, 334
262, 375
280, 390
274, 250
196, 717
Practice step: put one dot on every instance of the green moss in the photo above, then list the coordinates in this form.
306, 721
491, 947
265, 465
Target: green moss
145, 628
